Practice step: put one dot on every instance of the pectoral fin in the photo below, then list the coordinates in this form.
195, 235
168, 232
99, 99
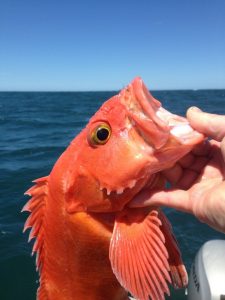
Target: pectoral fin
178, 272
138, 255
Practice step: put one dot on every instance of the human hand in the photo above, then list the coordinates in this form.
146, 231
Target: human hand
198, 179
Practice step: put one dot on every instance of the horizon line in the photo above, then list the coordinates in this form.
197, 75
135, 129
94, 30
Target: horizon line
110, 90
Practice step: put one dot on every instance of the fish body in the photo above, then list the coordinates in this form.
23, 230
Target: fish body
89, 243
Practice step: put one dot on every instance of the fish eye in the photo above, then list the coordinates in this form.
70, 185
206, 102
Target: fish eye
101, 134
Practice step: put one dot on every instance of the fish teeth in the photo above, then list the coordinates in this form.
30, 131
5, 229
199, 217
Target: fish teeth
120, 190
132, 183
108, 191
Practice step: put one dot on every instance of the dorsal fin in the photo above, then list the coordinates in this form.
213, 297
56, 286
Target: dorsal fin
36, 207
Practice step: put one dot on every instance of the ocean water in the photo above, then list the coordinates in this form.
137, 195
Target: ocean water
35, 128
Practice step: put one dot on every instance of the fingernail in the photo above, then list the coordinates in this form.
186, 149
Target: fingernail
194, 108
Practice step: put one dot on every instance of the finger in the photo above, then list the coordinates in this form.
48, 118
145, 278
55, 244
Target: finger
188, 178
199, 164
175, 198
199, 154
191, 173
187, 160
211, 125
202, 149
213, 143
223, 148
173, 174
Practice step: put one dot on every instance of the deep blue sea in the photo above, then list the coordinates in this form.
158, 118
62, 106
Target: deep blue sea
35, 128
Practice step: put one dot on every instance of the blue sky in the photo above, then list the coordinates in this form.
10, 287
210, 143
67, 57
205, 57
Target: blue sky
102, 45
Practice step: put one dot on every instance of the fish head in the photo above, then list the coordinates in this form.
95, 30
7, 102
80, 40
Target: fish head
128, 140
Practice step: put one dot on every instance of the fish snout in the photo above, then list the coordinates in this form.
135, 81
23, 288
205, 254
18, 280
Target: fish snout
155, 124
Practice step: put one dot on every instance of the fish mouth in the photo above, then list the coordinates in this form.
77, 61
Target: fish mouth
165, 138
154, 123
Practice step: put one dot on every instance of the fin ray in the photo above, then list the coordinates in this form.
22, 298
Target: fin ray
178, 271
134, 247
36, 207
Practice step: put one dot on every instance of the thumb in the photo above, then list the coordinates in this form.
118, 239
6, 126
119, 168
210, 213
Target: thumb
174, 198
223, 148
211, 125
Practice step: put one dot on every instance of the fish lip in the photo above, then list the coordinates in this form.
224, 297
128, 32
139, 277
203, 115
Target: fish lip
141, 110
177, 128
139, 102
155, 124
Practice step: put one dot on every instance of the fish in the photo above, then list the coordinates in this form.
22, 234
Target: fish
89, 244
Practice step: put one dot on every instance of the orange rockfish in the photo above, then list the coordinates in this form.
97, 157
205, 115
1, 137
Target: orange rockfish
90, 245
